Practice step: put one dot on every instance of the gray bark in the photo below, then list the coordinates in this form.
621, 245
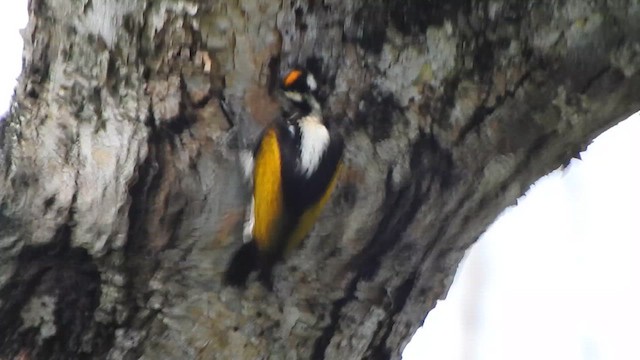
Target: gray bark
121, 197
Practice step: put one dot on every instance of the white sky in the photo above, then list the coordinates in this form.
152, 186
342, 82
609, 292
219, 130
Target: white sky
13, 16
557, 276
554, 278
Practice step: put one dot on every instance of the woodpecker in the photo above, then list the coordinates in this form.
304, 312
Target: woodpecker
294, 169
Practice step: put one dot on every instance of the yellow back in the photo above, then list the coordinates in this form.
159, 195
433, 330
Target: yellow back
267, 192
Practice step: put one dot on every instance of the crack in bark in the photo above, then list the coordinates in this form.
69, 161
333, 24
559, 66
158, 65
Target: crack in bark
322, 343
397, 218
380, 350
482, 112
69, 275
594, 78
137, 266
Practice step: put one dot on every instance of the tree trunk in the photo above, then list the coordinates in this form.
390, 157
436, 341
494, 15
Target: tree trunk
121, 197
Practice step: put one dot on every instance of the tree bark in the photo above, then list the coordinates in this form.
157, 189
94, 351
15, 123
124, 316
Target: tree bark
121, 197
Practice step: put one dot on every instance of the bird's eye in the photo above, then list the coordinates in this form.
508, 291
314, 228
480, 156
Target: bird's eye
291, 77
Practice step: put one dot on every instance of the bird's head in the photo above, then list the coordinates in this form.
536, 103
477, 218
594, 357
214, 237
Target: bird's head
299, 86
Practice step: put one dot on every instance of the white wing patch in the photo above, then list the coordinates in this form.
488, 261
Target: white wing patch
313, 143
249, 221
246, 160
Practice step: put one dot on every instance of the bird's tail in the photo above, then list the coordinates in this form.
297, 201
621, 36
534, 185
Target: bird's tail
243, 263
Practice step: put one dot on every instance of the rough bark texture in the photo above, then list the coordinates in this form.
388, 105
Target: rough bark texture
121, 196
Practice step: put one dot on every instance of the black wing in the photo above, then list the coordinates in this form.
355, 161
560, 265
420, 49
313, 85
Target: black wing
301, 191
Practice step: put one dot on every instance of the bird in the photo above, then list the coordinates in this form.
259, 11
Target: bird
293, 170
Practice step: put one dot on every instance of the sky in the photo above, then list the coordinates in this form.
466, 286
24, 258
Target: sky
555, 277
13, 16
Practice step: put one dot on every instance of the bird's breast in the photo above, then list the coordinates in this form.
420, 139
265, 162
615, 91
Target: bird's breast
314, 141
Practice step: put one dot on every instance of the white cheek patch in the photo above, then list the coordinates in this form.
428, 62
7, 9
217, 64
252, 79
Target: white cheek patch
293, 96
314, 141
311, 82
